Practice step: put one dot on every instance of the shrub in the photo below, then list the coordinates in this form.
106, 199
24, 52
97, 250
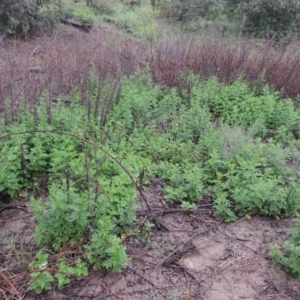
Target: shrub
264, 17
104, 7
245, 176
198, 9
24, 17
263, 113
85, 189
289, 258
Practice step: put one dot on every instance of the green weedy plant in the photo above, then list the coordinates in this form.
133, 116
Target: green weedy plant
249, 177
182, 182
151, 121
178, 144
95, 189
105, 249
146, 231
264, 114
41, 280
10, 170
186, 206
203, 144
42, 277
63, 218
289, 257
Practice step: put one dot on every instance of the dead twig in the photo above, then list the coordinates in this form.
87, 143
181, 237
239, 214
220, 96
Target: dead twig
3, 294
144, 277
222, 231
187, 271
184, 243
225, 268
238, 240
13, 206
196, 234
171, 211
108, 290
11, 285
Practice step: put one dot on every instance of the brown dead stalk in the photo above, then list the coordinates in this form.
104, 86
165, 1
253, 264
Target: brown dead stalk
196, 234
11, 285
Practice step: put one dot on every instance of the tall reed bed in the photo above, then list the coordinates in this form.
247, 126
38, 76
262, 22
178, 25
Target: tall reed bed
59, 63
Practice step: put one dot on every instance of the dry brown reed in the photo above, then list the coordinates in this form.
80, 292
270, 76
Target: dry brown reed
60, 62
209, 56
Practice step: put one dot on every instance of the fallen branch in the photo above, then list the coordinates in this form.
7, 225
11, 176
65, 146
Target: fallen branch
222, 231
171, 211
13, 206
196, 234
11, 285
4, 295
187, 271
145, 278
227, 267
184, 243
77, 24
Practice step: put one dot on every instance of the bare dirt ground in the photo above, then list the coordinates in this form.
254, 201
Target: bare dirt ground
185, 256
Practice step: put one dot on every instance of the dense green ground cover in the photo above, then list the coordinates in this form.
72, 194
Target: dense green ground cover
228, 143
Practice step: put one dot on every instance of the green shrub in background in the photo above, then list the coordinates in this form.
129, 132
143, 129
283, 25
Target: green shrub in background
269, 18
140, 21
260, 18
24, 17
104, 7
204, 9
197, 14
